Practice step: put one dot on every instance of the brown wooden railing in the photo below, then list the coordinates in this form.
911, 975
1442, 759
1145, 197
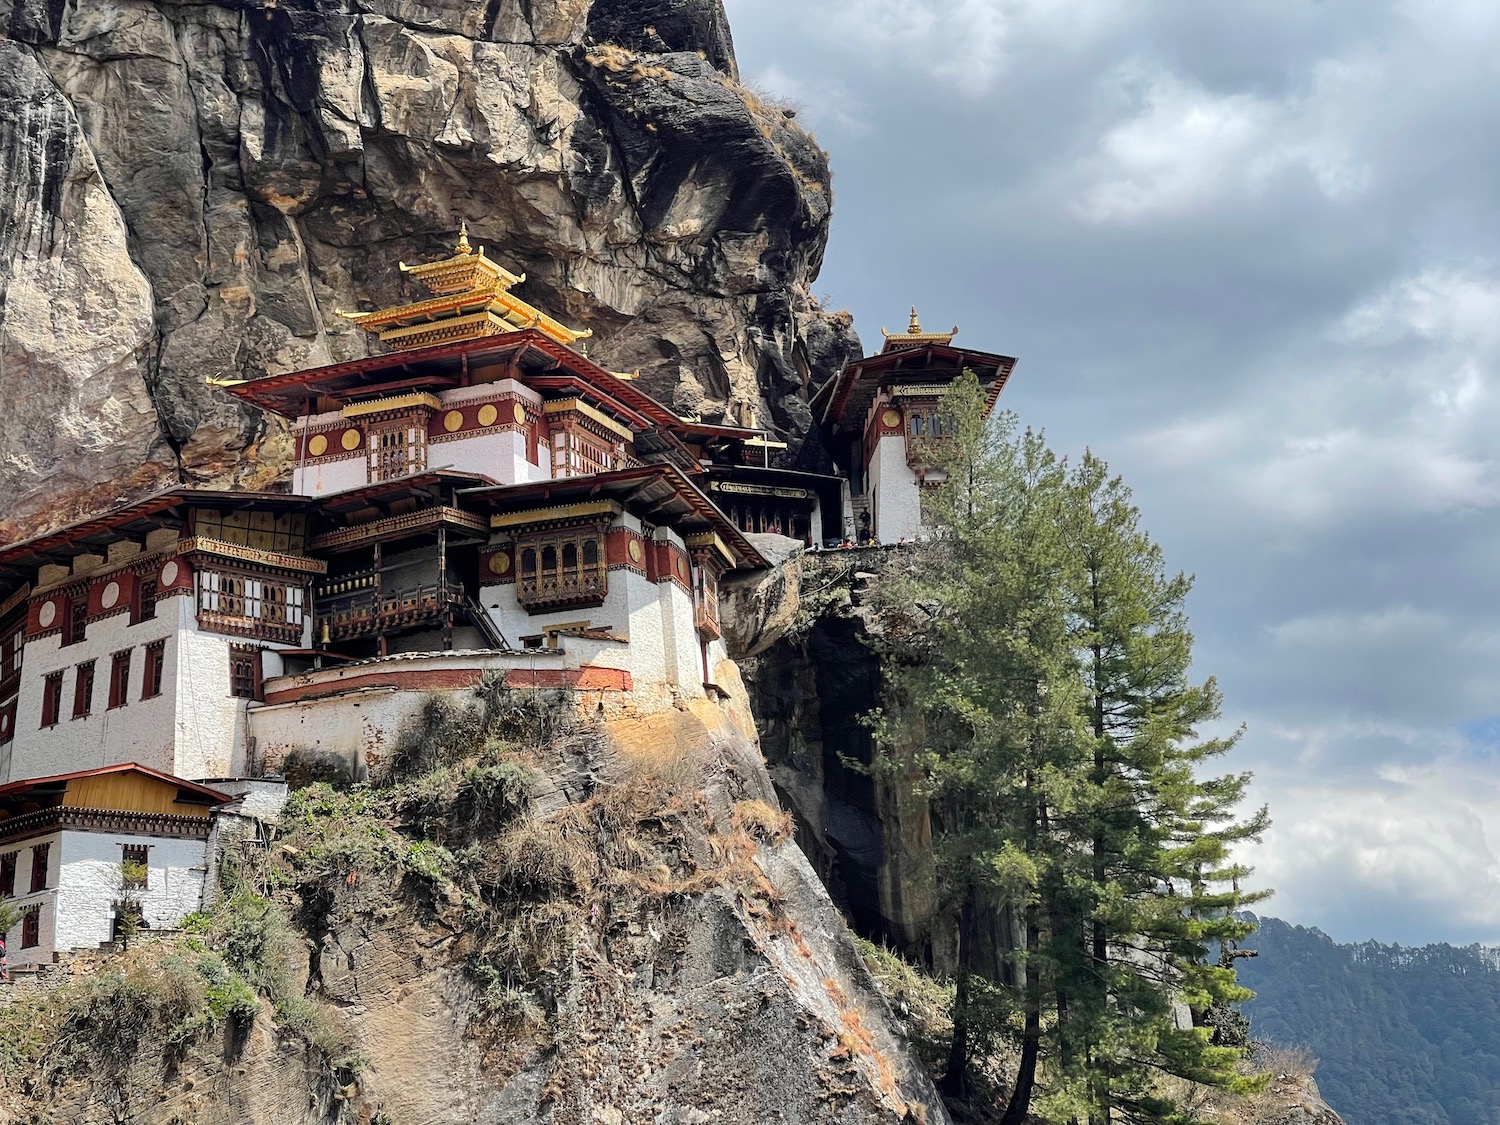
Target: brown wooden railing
360, 613
559, 591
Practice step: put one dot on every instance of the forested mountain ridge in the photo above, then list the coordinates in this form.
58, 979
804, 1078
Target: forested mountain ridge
1408, 1035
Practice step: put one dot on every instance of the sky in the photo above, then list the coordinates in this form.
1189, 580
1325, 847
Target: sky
1245, 251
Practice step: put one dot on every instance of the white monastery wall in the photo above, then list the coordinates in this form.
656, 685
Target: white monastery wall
896, 513
46, 899
89, 884
209, 722
140, 731
319, 478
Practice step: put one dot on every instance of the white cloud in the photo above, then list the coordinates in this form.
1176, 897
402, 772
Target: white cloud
1389, 412
1383, 859
968, 43
823, 100
1185, 147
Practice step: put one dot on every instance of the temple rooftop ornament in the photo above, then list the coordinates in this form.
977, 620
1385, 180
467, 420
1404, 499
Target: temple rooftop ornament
914, 337
470, 298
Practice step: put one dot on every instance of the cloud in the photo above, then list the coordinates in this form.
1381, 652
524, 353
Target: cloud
1186, 147
1383, 859
1384, 411
824, 101
968, 44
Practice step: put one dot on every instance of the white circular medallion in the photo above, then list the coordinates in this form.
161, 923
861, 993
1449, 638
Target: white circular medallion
111, 596
169, 573
47, 615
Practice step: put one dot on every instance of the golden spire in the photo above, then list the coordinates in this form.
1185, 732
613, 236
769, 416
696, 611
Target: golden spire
914, 337
463, 246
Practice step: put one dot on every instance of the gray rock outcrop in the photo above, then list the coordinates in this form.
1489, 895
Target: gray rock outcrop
191, 191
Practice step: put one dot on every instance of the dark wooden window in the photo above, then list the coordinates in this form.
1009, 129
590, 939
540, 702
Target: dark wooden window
31, 928
75, 624
244, 672
237, 603
7, 722
156, 658
144, 608
51, 699
119, 679
135, 861
12, 644
83, 690
39, 855
562, 569
8, 874
398, 450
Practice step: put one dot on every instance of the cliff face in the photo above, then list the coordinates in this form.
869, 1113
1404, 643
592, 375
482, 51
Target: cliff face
191, 191
601, 925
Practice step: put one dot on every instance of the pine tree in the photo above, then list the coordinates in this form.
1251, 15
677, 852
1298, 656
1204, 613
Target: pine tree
1046, 711
1160, 887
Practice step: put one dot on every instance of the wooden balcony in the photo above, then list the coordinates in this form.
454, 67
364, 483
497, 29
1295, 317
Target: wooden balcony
706, 613
562, 591
358, 611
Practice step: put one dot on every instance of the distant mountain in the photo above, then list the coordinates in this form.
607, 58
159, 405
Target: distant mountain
1405, 1036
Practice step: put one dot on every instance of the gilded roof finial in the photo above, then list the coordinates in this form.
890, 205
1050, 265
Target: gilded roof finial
463, 238
916, 325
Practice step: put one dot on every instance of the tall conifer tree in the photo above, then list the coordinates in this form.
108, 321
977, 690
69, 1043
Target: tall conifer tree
1046, 711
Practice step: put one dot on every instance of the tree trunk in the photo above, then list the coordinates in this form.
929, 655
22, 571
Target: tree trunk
955, 1083
1031, 1038
956, 1077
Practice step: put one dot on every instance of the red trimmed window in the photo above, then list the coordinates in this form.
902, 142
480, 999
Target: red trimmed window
156, 659
31, 928
144, 608
244, 672
75, 623
11, 647
83, 690
135, 859
8, 874
51, 699
119, 679
39, 856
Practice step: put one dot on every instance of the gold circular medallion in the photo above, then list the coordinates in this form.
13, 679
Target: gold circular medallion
890, 419
453, 420
47, 615
635, 552
681, 568
518, 412
350, 440
318, 445
500, 563
111, 596
169, 574
488, 414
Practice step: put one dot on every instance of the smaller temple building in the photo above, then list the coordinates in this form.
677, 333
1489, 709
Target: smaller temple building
79, 850
880, 412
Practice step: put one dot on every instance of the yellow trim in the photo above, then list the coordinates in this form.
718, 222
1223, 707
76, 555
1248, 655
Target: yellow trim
571, 405
487, 317
564, 512
399, 402
702, 539
758, 442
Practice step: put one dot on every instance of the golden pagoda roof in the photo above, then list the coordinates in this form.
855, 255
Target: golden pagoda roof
914, 337
470, 298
